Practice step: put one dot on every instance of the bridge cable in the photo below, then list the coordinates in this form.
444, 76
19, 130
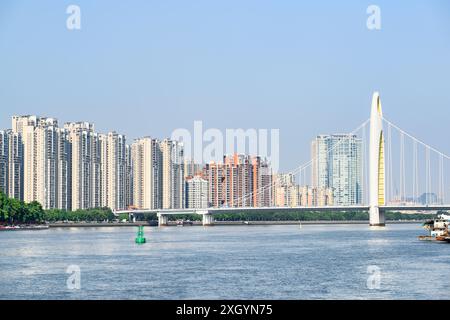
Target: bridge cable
415, 173
445, 156
363, 171
428, 175
428, 149
402, 168
441, 180
390, 168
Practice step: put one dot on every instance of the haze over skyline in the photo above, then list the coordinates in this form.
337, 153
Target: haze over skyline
153, 66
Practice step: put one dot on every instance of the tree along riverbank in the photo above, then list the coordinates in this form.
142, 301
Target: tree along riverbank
14, 212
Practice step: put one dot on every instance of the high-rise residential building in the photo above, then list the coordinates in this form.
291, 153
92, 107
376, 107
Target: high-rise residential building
214, 174
191, 168
238, 173
15, 166
295, 196
128, 177
19, 122
103, 143
45, 173
324, 198
337, 165
113, 170
4, 161
320, 150
64, 170
240, 181
86, 165
146, 159
172, 174
25, 127
284, 190
40, 146
262, 191
289, 194
196, 192
315, 197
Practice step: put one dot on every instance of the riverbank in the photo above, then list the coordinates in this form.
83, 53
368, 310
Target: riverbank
222, 223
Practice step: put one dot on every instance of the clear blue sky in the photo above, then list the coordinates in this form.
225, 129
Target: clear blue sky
148, 67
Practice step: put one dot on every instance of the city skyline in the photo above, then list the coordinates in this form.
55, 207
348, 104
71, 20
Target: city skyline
162, 76
208, 152
74, 167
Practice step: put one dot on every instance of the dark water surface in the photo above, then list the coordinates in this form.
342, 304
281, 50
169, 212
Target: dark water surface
225, 262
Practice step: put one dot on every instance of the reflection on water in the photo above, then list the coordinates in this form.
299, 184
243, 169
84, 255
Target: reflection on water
224, 262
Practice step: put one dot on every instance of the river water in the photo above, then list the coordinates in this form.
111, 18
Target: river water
225, 262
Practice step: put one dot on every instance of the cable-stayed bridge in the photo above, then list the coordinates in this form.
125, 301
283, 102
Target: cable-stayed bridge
385, 186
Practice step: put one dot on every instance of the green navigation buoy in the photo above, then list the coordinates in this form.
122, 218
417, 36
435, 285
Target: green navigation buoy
140, 239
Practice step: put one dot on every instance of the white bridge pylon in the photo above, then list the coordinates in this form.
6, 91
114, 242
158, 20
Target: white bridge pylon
377, 184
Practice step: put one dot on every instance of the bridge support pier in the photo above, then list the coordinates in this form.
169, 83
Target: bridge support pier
163, 220
208, 219
376, 217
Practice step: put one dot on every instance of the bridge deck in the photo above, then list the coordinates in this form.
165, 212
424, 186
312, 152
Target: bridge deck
286, 209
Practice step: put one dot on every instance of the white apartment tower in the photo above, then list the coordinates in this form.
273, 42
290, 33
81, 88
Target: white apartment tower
113, 170
196, 192
337, 164
128, 177
4, 161
45, 171
146, 163
173, 174
40, 146
64, 170
25, 126
15, 166
86, 166
285, 190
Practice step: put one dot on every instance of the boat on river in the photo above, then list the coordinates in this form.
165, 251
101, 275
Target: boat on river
23, 227
438, 229
182, 223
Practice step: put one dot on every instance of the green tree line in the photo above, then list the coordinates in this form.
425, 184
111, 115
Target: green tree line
88, 215
297, 216
13, 211
16, 211
314, 215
